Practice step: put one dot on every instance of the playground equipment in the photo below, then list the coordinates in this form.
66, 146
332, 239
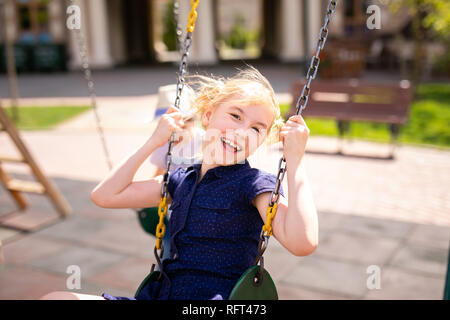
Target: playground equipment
16, 187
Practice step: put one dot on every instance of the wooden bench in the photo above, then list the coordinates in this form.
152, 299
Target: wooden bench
351, 100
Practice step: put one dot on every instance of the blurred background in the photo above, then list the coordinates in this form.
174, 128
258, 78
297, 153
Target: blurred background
378, 156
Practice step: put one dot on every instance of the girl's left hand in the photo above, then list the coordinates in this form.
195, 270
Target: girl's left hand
294, 135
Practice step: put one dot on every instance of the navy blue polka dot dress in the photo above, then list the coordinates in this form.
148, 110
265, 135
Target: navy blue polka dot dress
214, 232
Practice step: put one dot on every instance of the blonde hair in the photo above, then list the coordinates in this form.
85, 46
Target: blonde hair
211, 91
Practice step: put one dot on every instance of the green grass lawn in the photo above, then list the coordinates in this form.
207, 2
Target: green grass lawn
41, 118
429, 120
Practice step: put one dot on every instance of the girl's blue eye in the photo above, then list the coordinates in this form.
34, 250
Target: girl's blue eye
235, 116
256, 129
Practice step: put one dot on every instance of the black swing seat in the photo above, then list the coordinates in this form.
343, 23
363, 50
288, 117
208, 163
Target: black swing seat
247, 288
148, 219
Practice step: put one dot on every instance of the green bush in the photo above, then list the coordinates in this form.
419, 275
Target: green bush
240, 37
169, 36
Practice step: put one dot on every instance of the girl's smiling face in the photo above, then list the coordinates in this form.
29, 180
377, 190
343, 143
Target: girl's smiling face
234, 131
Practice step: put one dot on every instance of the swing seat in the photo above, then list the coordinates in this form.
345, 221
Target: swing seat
148, 218
247, 289
153, 276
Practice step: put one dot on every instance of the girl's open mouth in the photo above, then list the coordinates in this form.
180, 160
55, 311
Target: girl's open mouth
229, 145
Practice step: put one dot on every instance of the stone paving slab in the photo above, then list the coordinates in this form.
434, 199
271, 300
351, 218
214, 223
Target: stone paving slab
90, 260
358, 248
398, 284
29, 248
125, 275
425, 260
117, 237
30, 221
431, 236
288, 292
376, 227
83, 226
278, 261
7, 234
329, 276
24, 282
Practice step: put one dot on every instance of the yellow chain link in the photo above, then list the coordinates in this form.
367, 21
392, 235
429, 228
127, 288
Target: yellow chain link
161, 227
270, 215
192, 16
162, 208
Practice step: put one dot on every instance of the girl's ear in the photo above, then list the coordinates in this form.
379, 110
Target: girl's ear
206, 117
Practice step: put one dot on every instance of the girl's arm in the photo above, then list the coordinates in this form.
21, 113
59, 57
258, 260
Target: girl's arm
118, 190
295, 225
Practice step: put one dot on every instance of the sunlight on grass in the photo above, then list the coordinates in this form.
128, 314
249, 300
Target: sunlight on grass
41, 118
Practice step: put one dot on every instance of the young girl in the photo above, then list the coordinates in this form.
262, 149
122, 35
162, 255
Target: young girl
219, 205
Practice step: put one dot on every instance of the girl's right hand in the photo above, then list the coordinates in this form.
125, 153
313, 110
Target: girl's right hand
171, 121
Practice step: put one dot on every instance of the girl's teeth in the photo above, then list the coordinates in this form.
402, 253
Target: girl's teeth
231, 144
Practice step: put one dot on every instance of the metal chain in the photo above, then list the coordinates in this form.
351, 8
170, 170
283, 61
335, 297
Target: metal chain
302, 102
162, 208
180, 85
88, 76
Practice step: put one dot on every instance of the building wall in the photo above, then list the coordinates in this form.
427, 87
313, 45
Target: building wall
103, 26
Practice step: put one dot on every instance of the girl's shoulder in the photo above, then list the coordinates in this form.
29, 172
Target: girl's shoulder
252, 177
255, 173
256, 181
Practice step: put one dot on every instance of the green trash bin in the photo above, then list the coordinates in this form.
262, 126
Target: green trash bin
22, 55
48, 57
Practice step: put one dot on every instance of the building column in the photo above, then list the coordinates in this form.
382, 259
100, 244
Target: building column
57, 23
203, 49
336, 26
315, 21
292, 49
98, 29
73, 48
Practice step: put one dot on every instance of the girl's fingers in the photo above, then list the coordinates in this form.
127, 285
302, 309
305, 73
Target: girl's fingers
297, 118
174, 113
180, 122
171, 109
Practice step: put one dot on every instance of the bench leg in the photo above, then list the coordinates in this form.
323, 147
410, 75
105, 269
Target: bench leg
395, 131
343, 127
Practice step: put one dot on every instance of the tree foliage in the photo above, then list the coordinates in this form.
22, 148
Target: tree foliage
434, 14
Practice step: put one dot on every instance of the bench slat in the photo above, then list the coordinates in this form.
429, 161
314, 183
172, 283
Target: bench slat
350, 100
